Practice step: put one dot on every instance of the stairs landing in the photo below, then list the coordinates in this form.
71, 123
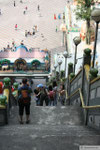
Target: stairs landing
51, 128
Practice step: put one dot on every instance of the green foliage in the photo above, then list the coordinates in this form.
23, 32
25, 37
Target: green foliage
94, 72
83, 11
70, 65
72, 75
62, 74
87, 51
63, 80
15, 85
3, 99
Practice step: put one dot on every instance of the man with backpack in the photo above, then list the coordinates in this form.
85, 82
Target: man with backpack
24, 100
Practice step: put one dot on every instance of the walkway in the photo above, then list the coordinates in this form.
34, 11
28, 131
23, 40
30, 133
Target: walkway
51, 128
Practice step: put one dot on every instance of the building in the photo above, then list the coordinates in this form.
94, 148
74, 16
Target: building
22, 58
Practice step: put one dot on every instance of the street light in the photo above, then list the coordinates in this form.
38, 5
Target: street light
77, 41
96, 17
53, 71
55, 66
65, 54
59, 63
63, 29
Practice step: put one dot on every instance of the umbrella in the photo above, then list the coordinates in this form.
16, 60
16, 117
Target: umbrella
40, 85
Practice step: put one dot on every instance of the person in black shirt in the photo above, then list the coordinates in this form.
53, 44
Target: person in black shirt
24, 100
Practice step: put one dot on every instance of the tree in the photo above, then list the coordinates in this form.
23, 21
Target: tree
83, 11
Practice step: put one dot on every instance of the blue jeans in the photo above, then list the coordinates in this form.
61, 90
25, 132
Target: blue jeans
62, 100
55, 100
51, 102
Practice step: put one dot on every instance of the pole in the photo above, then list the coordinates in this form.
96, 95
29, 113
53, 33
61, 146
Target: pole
65, 66
59, 69
63, 38
95, 43
66, 42
55, 72
75, 57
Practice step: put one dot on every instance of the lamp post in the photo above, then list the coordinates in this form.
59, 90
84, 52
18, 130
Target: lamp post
77, 41
65, 54
55, 66
53, 72
96, 17
63, 29
59, 63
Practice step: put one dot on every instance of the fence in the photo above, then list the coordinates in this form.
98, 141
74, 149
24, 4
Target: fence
9, 100
85, 92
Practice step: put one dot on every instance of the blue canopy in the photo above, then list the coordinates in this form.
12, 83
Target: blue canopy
22, 46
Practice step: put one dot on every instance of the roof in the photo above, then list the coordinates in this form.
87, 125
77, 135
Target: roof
22, 47
21, 52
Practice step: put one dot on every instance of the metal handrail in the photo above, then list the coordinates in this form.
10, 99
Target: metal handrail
73, 93
96, 79
82, 100
76, 76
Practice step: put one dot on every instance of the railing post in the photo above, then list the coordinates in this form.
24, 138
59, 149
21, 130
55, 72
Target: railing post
7, 83
3, 102
7, 90
15, 85
70, 70
86, 61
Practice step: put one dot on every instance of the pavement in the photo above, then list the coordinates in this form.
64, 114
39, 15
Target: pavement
46, 37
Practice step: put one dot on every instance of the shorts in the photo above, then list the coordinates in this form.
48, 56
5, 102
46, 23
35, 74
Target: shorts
22, 107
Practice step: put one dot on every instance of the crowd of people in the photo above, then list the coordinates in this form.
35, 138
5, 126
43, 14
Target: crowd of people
50, 95
31, 33
43, 95
11, 46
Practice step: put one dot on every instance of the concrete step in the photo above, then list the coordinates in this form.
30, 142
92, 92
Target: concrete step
44, 137
66, 115
56, 128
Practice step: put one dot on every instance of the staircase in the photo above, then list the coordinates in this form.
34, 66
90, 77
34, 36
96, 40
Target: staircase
51, 128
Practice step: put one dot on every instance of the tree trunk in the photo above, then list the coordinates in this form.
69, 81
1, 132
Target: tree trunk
88, 32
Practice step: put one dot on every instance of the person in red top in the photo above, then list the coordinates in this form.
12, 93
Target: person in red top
55, 17
15, 26
26, 7
51, 95
1, 88
12, 89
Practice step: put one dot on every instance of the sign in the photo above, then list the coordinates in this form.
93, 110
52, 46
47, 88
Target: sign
85, 147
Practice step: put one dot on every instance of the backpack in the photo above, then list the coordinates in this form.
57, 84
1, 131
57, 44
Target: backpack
51, 95
25, 98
